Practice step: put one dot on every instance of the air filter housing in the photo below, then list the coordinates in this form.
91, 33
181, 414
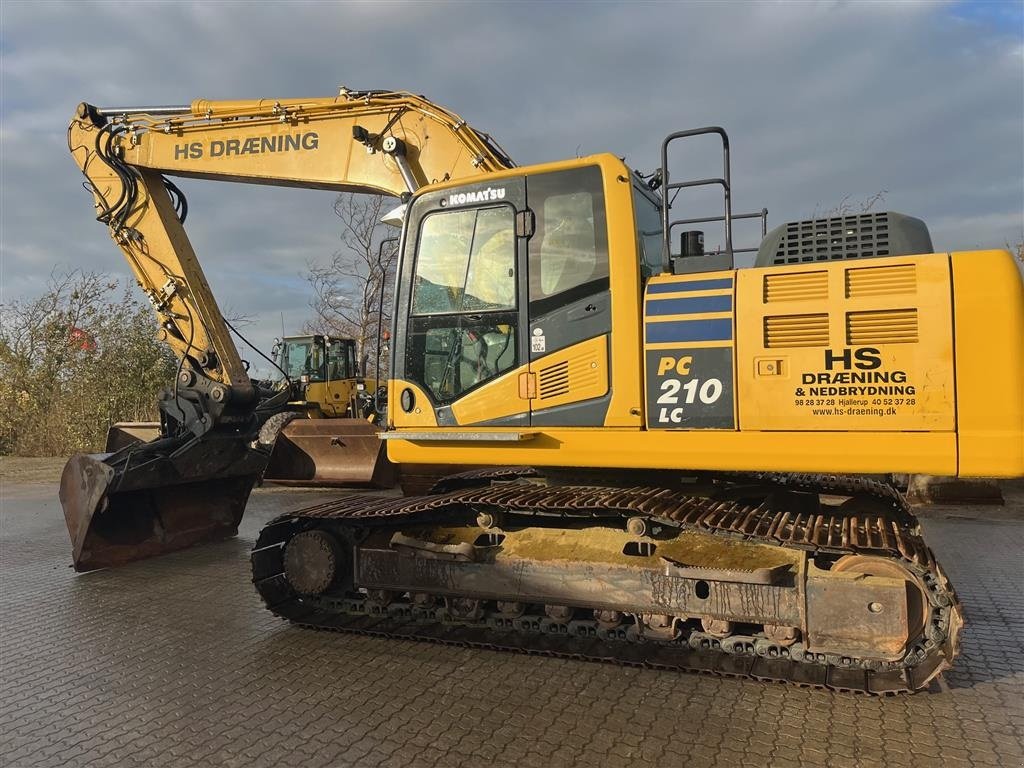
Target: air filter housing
860, 236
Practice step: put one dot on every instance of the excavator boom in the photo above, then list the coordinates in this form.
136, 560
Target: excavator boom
117, 505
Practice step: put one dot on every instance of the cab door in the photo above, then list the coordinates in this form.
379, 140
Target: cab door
569, 298
463, 309
340, 376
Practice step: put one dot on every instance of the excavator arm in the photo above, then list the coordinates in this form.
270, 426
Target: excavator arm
366, 142
118, 506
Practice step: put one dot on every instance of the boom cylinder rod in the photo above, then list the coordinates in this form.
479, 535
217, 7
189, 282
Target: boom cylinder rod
406, 171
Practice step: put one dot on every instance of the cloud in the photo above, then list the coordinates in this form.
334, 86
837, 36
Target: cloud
821, 101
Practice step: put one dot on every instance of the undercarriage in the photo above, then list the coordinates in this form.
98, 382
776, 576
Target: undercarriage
813, 580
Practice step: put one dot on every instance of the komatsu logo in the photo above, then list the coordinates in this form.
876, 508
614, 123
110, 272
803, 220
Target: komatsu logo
484, 195
254, 145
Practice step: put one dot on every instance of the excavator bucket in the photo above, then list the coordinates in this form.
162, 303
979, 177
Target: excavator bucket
125, 433
151, 498
330, 452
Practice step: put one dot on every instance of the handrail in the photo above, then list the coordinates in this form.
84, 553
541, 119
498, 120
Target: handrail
724, 181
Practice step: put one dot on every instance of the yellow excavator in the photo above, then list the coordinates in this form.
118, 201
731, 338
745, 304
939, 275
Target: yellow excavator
675, 459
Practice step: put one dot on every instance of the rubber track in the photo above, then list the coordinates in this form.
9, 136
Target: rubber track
876, 534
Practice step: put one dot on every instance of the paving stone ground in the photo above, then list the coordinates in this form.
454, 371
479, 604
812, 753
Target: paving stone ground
173, 662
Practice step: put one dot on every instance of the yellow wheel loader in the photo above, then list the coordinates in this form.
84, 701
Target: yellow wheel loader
327, 434
676, 459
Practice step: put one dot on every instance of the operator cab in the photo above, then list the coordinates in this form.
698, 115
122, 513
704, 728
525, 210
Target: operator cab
316, 358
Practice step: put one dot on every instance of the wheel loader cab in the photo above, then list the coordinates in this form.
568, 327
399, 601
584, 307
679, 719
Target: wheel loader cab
505, 306
315, 359
323, 374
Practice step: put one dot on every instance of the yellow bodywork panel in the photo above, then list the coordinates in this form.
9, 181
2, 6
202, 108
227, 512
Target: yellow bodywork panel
495, 400
579, 372
864, 344
625, 408
892, 318
576, 373
931, 453
989, 331
422, 413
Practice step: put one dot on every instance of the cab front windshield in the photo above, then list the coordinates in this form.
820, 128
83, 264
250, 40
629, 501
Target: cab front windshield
305, 357
464, 303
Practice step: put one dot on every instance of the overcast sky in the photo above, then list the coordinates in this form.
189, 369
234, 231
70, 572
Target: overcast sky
821, 100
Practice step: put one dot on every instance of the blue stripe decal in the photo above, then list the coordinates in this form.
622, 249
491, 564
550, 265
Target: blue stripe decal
688, 306
690, 285
689, 330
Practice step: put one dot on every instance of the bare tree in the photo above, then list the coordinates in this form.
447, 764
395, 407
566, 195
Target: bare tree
353, 290
1018, 249
849, 206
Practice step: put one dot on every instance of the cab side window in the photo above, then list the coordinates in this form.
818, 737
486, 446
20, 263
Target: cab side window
648, 233
569, 248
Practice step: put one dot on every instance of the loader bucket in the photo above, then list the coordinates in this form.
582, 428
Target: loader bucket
139, 503
331, 452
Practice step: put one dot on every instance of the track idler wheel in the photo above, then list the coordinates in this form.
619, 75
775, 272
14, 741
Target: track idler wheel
312, 562
917, 602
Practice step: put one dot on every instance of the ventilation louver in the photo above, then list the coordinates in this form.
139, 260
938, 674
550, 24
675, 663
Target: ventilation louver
881, 281
554, 380
795, 286
796, 331
890, 326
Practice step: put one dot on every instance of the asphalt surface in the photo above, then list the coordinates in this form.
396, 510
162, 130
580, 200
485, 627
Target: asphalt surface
174, 662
